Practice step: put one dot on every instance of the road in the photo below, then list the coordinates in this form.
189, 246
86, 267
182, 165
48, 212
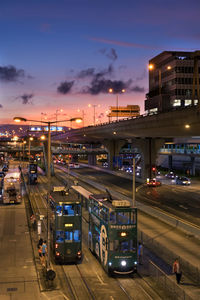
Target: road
182, 201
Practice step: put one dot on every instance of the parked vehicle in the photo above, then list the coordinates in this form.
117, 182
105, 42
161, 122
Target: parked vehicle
183, 180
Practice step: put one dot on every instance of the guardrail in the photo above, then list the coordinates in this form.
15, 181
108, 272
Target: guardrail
175, 291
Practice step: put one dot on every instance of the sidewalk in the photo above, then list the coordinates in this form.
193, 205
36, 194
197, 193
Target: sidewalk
18, 277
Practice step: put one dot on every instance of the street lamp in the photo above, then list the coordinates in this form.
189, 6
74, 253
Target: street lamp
155, 67
29, 147
112, 91
94, 106
78, 120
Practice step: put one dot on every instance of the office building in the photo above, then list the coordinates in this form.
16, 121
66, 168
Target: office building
173, 81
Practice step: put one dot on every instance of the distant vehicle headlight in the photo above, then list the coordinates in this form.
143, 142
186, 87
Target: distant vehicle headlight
110, 264
184, 182
123, 263
135, 262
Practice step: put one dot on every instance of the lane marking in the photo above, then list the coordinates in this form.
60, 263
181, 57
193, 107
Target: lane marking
100, 278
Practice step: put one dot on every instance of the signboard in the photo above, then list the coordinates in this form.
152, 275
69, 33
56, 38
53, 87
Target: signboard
121, 203
58, 188
124, 111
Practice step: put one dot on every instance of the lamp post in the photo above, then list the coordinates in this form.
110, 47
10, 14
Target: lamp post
57, 110
94, 115
117, 97
29, 148
48, 123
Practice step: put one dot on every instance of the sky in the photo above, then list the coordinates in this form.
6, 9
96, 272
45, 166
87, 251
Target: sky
65, 54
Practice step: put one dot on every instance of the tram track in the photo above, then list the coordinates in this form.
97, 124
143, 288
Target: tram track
77, 285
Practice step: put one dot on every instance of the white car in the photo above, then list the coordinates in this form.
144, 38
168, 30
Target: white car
76, 166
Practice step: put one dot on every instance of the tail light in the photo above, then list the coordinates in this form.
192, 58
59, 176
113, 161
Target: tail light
57, 253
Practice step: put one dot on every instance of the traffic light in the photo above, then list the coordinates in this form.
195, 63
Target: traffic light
153, 169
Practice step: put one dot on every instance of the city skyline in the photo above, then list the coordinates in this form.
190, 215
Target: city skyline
68, 55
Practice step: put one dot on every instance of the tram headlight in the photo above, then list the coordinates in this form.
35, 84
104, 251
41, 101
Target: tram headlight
123, 263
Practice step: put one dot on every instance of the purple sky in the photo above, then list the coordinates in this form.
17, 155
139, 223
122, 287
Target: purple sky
66, 53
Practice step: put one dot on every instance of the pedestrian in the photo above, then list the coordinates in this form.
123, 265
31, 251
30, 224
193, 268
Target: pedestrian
177, 270
140, 253
44, 253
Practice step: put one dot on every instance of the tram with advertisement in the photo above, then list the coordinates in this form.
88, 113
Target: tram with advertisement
66, 225
112, 233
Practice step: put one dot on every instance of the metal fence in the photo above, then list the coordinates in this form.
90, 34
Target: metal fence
167, 283
168, 256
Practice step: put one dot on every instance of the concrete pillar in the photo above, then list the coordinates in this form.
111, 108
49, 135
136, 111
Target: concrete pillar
92, 161
148, 148
193, 165
113, 147
170, 162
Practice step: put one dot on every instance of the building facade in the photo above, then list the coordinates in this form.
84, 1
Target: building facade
173, 81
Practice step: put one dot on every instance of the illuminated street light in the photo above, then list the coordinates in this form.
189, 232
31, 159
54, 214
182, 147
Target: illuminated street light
78, 120
155, 67
111, 91
187, 126
94, 116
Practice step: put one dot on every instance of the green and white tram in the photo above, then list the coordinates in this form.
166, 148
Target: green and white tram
66, 225
113, 233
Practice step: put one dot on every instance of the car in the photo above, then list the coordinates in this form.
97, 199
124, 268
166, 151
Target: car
71, 165
76, 166
105, 164
2, 174
153, 182
170, 175
5, 169
183, 180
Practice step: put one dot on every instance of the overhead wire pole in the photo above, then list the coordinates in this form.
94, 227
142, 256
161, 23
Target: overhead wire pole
134, 205
48, 194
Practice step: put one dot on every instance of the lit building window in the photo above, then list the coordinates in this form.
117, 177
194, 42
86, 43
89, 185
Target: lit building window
188, 102
196, 101
177, 102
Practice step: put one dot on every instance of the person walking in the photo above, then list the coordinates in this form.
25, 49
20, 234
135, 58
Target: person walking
44, 253
140, 253
176, 270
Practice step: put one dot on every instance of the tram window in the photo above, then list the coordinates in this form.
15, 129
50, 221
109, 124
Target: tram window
68, 210
104, 214
125, 246
59, 210
78, 210
68, 236
133, 219
77, 236
96, 209
123, 218
59, 236
112, 217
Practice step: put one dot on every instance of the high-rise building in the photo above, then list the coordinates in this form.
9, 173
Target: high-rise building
173, 80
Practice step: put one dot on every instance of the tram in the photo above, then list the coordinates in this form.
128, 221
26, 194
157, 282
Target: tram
66, 233
12, 187
32, 173
112, 233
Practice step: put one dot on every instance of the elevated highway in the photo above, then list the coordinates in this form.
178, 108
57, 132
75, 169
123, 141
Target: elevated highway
147, 133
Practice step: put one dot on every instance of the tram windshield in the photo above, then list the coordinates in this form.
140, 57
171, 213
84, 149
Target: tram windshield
122, 217
59, 236
123, 245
